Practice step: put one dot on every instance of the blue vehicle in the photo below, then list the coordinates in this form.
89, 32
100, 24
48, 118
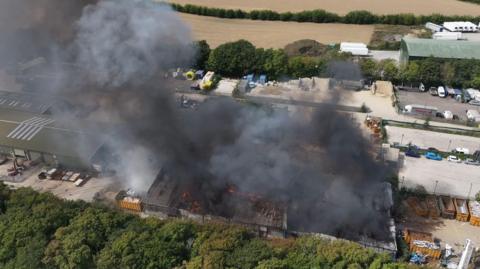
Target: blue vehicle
433, 156
412, 151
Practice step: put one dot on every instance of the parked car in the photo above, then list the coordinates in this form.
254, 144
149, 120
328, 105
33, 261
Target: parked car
453, 159
433, 156
433, 91
442, 92
461, 150
448, 115
471, 162
412, 152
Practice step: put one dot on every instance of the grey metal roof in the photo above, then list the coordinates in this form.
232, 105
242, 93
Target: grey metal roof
42, 134
448, 49
25, 102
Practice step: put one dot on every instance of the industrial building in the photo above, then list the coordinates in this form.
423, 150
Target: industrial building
357, 49
170, 198
26, 102
39, 137
419, 48
460, 26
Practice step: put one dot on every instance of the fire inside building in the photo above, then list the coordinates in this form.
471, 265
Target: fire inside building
168, 197
171, 198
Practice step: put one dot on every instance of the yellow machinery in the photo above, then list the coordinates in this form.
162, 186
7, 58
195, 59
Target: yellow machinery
190, 75
207, 81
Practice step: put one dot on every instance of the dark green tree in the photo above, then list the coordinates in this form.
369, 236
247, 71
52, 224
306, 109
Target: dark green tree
202, 52
232, 59
299, 67
275, 63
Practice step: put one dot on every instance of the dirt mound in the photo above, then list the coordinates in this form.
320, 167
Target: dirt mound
305, 47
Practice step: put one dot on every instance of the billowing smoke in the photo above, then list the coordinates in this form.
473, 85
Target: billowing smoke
317, 162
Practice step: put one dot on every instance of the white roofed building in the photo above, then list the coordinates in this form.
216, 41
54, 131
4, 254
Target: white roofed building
460, 26
358, 49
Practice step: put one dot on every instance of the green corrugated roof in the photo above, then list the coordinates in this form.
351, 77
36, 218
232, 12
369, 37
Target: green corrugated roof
448, 49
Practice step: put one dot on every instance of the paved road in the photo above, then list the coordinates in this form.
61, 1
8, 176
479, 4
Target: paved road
456, 179
426, 139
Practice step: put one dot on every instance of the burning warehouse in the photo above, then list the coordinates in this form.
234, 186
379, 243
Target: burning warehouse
169, 197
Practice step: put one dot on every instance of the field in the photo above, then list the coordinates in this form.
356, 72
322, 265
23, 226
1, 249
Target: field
419, 7
269, 34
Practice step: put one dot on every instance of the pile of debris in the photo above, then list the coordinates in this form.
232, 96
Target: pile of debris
375, 125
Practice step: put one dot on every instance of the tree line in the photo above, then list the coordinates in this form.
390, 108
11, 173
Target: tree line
322, 16
39, 230
458, 73
472, 1
236, 59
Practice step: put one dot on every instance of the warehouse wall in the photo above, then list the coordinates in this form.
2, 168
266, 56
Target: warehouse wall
49, 159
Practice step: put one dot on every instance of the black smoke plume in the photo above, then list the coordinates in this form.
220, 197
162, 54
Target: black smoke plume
315, 161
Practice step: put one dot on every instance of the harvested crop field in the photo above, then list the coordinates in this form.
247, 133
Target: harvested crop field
419, 7
273, 34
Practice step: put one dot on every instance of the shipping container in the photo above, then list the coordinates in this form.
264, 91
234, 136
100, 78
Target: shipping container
462, 209
447, 208
433, 210
474, 213
419, 207
130, 203
423, 243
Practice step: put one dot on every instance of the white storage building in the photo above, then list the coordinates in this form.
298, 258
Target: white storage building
433, 27
358, 49
447, 36
460, 26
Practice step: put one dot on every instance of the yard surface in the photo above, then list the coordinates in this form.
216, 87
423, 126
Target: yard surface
442, 104
454, 179
448, 231
273, 34
418, 7
425, 139
63, 189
